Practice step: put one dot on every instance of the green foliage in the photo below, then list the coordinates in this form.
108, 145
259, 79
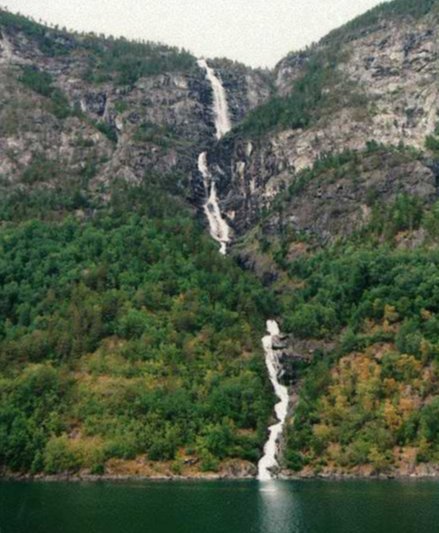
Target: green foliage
318, 91
154, 133
432, 142
31, 406
59, 457
209, 463
131, 331
40, 170
353, 285
404, 214
297, 109
373, 392
45, 203
355, 406
108, 130
327, 162
126, 61
431, 222
42, 83
348, 164
119, 60
312, 320
50, 41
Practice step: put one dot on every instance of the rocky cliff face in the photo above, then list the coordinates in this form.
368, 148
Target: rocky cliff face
246, 88
107, 130
383, 88
380, 85
122, 130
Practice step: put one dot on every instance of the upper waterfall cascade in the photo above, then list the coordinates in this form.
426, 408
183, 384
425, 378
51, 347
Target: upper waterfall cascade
220, 106
219, 229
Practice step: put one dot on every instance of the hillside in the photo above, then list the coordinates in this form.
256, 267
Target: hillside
128, 345
123, 335
103, 109
376, 85
333, 197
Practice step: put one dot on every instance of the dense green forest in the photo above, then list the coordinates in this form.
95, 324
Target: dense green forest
127, 334
369, 302
378, 390
369, 397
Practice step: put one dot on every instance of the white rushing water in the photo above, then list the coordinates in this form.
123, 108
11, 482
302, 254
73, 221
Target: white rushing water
220, 106
269, 459
219, 229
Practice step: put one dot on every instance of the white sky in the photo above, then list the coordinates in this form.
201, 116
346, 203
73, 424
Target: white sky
256, 32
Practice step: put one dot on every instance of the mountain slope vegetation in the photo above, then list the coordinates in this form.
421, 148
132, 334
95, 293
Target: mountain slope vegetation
128, 345
349, 240
125, 335
320, 87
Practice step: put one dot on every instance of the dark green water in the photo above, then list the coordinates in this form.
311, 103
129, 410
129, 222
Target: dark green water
220, 507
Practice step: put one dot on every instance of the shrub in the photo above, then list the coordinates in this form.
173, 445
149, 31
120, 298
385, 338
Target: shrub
41, 170
209, 463
38, 81
59, 456
42, 83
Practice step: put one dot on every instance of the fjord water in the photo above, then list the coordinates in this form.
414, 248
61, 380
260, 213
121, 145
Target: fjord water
220, 507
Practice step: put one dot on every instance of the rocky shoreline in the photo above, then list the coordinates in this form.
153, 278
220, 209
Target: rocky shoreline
429, 472
401, 476
78, 478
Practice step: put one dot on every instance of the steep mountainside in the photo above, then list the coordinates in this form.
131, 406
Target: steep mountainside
375, 84
102, 110
331, 187
128, 345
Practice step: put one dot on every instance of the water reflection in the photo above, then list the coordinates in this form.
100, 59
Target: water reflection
279, 508
219, 507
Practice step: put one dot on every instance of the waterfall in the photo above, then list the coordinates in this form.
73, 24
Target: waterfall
220, 105
269, 460
219, 230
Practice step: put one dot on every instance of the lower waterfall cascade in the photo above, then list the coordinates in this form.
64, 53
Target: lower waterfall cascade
269, 462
